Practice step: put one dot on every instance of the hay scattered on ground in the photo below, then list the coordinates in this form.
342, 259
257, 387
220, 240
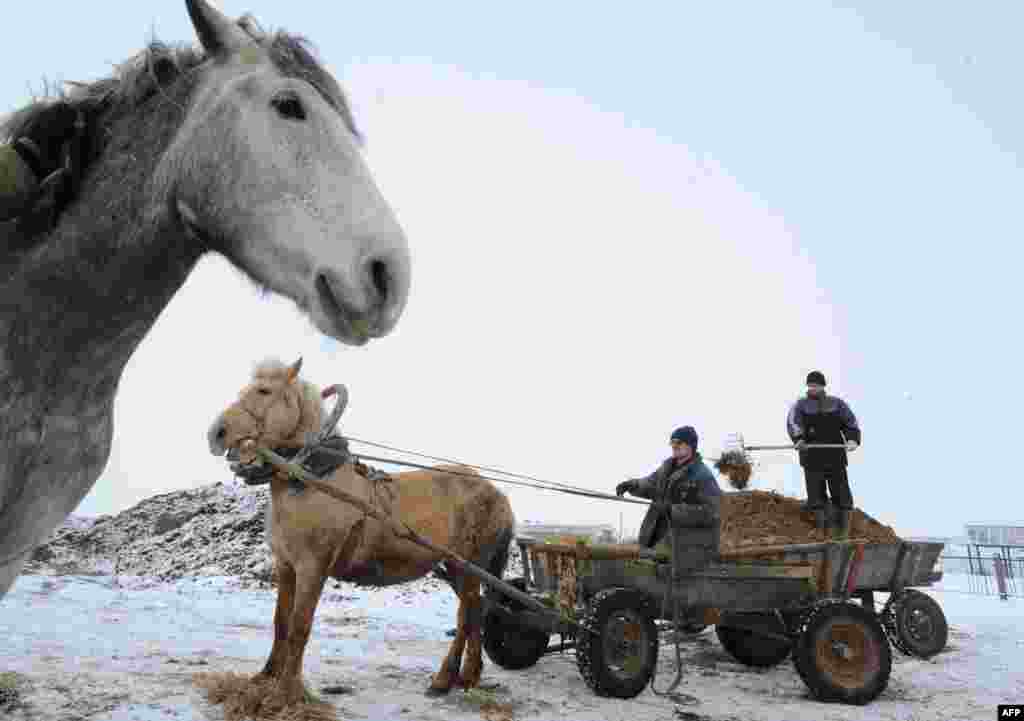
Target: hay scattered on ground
245, 697
11, 684
487, 702
762, 518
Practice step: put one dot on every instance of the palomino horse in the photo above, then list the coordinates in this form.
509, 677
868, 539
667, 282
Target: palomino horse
314, 537
245, 147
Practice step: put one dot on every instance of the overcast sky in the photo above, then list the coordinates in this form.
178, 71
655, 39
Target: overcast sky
626, 219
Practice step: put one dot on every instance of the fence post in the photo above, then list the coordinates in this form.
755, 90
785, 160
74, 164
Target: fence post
997, 561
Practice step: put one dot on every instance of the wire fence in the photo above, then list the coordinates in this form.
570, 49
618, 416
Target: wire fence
983, 569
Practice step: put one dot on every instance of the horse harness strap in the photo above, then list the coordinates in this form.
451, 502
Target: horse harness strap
325, 459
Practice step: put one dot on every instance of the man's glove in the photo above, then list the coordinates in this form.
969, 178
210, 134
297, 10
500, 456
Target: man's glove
252, 474
625, 486
852, 445
801, 444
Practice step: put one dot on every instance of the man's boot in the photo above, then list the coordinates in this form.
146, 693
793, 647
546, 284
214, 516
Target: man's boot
843, 532
32, 156
820, 522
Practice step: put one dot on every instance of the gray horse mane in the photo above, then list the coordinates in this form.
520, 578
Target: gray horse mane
106, 101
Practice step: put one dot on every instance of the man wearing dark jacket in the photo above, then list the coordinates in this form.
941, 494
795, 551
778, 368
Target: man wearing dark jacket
819, 418
683, 490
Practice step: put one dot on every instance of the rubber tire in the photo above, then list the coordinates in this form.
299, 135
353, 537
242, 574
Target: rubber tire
819, 680
590, 657
898, 621
512, 648
752, 649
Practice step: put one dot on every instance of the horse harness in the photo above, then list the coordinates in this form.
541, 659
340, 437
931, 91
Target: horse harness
325, 459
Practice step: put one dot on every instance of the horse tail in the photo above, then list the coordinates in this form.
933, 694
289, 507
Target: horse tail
499, 561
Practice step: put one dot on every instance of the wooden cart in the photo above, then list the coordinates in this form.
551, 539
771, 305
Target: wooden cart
813, 601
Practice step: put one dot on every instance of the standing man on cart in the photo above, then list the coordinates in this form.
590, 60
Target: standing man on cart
819, 418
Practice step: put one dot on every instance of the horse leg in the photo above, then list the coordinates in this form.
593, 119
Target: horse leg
309, 584
474, 662
285, 597
448, 675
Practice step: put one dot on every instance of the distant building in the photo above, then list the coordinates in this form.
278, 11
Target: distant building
997, 534
597, 533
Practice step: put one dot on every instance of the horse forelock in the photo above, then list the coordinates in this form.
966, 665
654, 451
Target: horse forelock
274, 370
270, 369
294, 56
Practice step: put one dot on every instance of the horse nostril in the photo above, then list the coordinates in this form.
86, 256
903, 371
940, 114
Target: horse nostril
221, 433
379, 277
326, 292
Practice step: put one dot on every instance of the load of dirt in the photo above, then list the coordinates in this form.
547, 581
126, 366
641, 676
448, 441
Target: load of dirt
762, 518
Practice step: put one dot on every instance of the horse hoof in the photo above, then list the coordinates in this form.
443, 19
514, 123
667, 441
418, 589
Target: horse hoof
440, 688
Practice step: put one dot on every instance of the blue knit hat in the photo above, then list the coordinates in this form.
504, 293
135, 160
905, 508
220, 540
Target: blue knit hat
687, 435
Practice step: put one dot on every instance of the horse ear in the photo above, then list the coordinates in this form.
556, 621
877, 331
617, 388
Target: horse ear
217, 34
293, 372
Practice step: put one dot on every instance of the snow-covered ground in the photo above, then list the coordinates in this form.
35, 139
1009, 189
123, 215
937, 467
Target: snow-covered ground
84, 643
90, 647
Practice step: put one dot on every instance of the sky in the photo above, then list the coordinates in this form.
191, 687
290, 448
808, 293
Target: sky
624, 220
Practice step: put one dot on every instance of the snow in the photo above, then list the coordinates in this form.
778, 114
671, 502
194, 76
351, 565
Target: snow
125, 649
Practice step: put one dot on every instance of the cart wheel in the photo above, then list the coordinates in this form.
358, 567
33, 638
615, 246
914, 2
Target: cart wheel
751, 648
843, 654
619, 657
512, 646
915, 623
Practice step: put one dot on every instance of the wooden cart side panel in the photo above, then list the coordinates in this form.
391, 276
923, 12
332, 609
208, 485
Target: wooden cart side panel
877, 565
824, 584
727, 593
927, 557
790, 551
881, 567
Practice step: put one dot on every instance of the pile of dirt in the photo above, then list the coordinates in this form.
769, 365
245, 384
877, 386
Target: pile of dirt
761, 518
214, 530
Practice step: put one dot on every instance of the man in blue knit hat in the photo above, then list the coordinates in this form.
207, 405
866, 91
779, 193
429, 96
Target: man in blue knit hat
682, 487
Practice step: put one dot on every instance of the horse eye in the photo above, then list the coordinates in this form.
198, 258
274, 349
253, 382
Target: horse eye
264, 391
289, 106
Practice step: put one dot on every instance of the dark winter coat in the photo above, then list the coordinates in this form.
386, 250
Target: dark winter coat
822, 420
691, 490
